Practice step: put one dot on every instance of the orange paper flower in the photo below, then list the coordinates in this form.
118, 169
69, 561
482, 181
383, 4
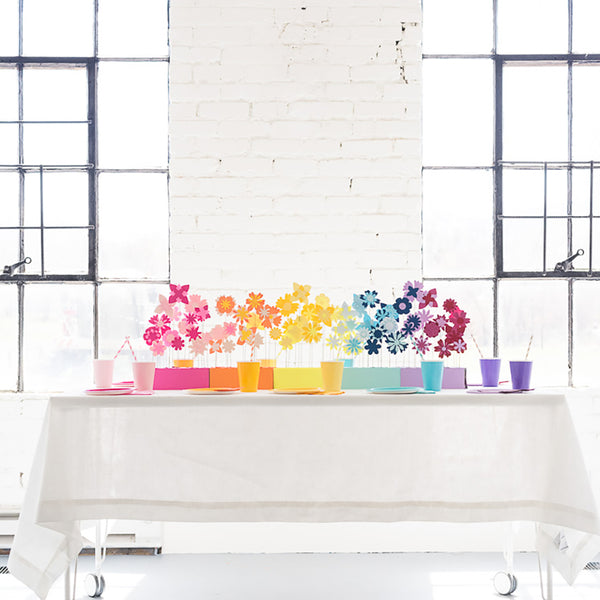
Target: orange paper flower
225, 305
255, 301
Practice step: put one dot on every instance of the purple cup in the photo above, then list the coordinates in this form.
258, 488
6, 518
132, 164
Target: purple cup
490, 371
520, 374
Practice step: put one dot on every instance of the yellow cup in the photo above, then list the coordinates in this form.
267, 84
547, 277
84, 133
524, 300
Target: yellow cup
183, 362
331, 373
248, 373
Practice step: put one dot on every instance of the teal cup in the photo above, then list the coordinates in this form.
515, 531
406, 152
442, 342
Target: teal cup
432, 372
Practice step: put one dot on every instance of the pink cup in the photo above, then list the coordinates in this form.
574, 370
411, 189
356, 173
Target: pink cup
143, 375
103, 372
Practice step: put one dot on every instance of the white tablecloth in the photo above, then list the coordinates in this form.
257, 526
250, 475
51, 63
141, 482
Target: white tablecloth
264, 457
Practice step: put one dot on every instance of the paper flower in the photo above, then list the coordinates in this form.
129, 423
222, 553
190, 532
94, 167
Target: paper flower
255, 301
286, 305
352, 345
178, 293
413, 289
164, 306
396, 343
372, 346
402, 306
301, 292
369, 299
228, 346
225, 305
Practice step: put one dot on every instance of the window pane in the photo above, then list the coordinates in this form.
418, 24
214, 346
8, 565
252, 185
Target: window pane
132, 115
9, 101
581, 240
586, 332
66, 199
531, 26
465, 198
9, 192
557, 246
457, 112
9, 248
537, 308
457, 27
9, 28
476, 298
55, 94
133, 225
535, 113
8, 339
129, 28
58, 28
56, 144
581, 191
523, 241
586, 15
58, 346
586, 121
65, 251
33, 250
9, 144
124, 310
523, 192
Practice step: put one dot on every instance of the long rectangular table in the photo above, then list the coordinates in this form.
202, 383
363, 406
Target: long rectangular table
450, 456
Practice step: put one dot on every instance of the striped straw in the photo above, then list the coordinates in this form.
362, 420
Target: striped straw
477, 345
528, 347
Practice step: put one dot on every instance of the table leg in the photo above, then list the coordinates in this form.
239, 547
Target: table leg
68, 583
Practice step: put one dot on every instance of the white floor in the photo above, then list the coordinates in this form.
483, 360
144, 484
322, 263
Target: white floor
422, 576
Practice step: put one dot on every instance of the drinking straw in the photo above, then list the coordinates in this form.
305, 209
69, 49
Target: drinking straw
528, 347
417, 348
122, 346
476, 345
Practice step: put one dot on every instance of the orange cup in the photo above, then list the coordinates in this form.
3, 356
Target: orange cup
183, 363
249, 373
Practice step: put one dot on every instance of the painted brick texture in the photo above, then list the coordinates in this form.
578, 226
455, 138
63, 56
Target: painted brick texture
295, 144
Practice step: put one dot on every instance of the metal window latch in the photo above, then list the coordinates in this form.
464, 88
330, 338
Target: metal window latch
10, 269
567, 264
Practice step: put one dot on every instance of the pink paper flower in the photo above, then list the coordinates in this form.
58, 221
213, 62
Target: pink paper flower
193, 333
158, 348
190, 318
230, 328
442, 349
169, 336
151, 334
164, 306
459, 346
228, 346
429, 299
432, 329
178, 343
179, 293
198, 346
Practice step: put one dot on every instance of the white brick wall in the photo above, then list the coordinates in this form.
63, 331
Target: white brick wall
295, 144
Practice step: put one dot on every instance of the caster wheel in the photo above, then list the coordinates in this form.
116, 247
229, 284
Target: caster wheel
505, 583
94, 585
513, 587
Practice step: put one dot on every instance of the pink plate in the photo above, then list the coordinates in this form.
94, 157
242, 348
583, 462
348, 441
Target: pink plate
115, 391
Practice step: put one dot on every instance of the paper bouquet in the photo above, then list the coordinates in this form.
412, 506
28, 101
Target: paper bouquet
368, 324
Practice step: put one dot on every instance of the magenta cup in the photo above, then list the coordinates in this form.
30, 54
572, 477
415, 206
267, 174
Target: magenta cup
490, 371
520, 374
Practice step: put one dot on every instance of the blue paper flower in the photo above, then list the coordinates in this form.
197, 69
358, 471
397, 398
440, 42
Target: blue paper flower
372, 346
396, 343
352, 345
369, 299
402, 306
415, 322
357, 305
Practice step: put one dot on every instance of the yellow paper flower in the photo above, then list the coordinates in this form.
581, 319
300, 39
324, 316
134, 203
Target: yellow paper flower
294, 333
286, 342
275, 333
286, 305
254, 322
333, 342
245, 335
310, 311
312, 333
325, 315
241, 314
322, 300
301, 292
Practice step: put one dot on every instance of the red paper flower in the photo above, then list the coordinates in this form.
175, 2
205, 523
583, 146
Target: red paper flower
178, 343
442, 349
432, 329
450, 305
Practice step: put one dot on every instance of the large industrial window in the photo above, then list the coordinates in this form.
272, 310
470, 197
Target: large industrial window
83, 182
511, 216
